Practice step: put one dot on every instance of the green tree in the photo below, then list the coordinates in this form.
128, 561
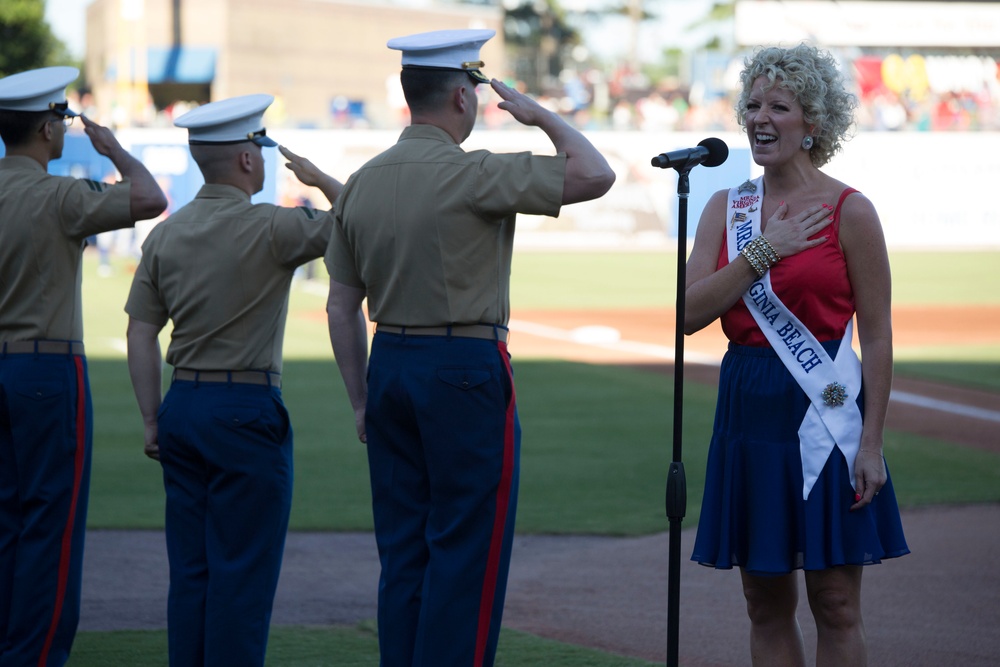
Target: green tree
26, 40
537, 37
722, 13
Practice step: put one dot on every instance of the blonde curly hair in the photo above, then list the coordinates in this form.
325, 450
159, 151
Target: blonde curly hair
813, 77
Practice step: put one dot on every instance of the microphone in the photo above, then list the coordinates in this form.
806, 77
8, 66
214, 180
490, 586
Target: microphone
710, 152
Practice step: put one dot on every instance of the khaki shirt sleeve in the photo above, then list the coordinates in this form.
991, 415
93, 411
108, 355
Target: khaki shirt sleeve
339, 259
89, 207
144, 302
508, 183
300, 234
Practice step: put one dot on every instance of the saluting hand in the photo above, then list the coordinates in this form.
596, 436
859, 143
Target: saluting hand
303, 169
311, 175
524, 109
101, 137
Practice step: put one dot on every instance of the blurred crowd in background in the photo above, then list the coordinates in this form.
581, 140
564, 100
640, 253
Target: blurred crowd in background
625, 101
941, 82
581, 58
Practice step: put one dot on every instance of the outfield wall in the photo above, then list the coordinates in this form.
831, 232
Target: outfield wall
930, 189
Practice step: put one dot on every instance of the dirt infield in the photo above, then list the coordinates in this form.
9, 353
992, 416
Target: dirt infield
937, 607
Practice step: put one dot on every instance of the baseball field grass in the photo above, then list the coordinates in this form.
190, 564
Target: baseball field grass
332, 647
597, 438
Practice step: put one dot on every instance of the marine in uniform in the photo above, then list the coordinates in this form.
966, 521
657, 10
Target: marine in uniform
425, 232
45, 409
220, 269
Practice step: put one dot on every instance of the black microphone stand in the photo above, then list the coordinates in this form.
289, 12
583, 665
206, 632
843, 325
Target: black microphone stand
676, 494
714, 152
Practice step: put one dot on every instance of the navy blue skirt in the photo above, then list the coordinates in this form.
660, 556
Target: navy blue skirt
753, 515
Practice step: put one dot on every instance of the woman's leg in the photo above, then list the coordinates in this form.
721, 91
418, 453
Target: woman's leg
835, 600
775, 637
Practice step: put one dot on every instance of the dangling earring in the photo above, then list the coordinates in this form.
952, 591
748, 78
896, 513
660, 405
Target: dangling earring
807, 143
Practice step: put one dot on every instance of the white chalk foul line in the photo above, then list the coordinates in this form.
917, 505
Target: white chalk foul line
946, 406
666, 353
652, 350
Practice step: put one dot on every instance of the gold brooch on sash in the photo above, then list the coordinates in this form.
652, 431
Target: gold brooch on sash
738, 216
834, 394
747, 186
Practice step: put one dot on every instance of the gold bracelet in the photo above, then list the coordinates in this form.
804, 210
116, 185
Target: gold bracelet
775, 257
761, 255
751, 257
765, 249
758, 254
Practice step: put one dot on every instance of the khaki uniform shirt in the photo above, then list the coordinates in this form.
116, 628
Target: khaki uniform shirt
44, 221
427, 229
220, 268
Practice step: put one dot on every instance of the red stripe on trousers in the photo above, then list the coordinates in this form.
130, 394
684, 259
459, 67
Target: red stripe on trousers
499, 521
67, 540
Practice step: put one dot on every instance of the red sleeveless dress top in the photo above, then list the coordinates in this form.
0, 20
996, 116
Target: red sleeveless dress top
813, 285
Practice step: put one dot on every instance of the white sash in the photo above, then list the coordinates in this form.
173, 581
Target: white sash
828, 423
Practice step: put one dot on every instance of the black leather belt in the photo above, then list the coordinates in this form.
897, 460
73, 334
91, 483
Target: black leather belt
483, 331
42, 347
265, 378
